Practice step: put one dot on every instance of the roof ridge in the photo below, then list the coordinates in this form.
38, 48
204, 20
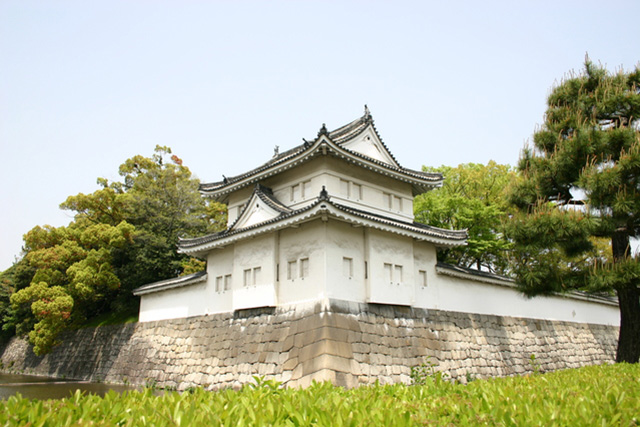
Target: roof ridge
305, 152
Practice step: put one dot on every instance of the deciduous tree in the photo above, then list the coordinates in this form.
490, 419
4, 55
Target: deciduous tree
473, 197
123, 235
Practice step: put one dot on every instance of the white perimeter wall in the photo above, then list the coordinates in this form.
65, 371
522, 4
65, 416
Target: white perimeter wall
334, 254
175, 303
444, 292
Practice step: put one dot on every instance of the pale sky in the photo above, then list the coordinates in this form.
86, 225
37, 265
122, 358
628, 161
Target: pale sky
84, 85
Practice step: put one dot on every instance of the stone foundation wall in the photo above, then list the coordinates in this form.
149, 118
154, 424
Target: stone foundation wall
346, 343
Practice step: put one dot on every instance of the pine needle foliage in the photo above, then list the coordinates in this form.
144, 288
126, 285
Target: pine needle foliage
588, 145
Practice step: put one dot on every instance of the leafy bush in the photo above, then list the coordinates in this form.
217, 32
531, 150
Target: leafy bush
599, 395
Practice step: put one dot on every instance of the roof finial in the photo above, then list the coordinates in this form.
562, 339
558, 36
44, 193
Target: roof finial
225, 179
367, 113
324, 195
276, 151
323, 130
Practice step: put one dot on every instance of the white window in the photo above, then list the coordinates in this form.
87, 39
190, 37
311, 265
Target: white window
257, 273
227, 282
422, 277
344, 188
387, 200
295, 192
291, 270
304, 267
388, 272
347, 267
247, 277
219, 284
397, 203
356, 191
306, 189
393, 273
397, 273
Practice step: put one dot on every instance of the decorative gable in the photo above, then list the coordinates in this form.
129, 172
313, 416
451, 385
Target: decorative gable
368, 144
262, 206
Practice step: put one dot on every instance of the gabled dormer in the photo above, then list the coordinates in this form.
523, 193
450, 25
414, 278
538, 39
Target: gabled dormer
361, 136
262, 206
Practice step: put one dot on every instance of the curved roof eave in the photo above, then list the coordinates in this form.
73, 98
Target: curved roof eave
322, 207
421, 181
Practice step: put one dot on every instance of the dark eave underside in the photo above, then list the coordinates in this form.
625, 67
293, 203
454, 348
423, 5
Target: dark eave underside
455, 236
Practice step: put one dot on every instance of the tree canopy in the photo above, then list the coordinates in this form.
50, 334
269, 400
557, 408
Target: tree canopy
473, 197
588, 144
123, 235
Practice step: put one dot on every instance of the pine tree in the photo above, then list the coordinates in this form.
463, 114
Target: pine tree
589, 144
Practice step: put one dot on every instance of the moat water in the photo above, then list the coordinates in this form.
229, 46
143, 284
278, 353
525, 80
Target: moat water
35, 387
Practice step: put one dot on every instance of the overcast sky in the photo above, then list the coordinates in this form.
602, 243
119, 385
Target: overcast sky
85, 85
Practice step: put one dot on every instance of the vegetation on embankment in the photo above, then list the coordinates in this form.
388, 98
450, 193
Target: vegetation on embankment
596, 395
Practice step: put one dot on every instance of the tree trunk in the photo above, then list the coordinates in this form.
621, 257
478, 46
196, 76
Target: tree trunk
629, 339
629, 303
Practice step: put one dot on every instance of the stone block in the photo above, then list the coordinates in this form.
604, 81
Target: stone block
326, 361
287, 343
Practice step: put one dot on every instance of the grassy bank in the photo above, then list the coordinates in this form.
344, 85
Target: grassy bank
597, 395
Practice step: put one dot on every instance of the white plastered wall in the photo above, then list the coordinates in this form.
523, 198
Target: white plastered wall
255, 256
345, 254
394, 252
368, 190
174, 303
444, 292
220, 264
307, 241
325, 245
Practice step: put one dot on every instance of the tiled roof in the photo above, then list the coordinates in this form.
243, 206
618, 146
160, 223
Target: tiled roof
280, 158
339, 136
197, 241
410, 226
176, 282
265, 194
355, 128
456, 237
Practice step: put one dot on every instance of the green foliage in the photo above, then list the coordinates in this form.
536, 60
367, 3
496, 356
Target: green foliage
589, 143
6, 289
51, 307
473, 197
160, 198
123, 236
426, 373
596, 395
192, 265
75, 261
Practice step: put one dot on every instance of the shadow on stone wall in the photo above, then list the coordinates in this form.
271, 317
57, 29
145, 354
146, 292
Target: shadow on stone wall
85, 354
346, 343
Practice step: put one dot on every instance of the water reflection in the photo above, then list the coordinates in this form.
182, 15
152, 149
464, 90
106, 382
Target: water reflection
34, 387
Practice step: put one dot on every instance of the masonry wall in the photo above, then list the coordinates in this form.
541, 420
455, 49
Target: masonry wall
346, 343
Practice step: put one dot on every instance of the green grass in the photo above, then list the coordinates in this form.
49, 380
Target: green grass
601, 395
